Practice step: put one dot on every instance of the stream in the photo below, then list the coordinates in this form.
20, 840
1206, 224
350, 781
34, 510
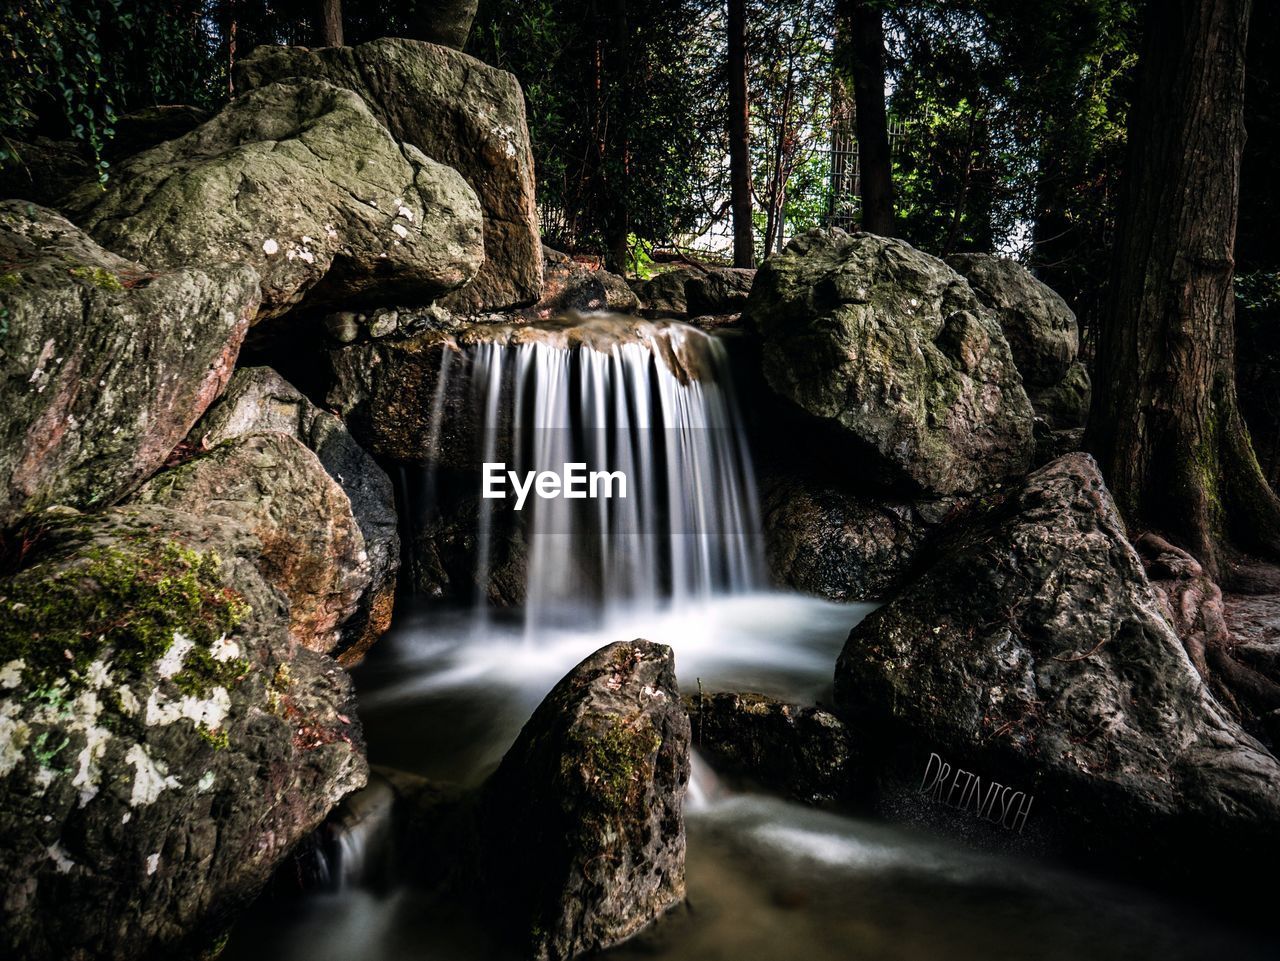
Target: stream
768, 879
678, 560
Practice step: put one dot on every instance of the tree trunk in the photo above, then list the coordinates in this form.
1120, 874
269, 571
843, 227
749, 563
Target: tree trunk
863, 60
740, 138
1165, 425
331, 23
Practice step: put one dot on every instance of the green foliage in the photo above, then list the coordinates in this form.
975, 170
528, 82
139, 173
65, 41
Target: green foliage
1015, 121
98, 276
625, 114
124, 602
789, 45
70, 67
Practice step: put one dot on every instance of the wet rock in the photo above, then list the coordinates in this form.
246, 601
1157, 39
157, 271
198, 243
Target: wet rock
458, 111
1041, 329
259, 400
312, 548
583, 821
891, 350
300, 181
570, 285
389, 390
804, 752
823, 539
104, 364
1034, 653
163, 743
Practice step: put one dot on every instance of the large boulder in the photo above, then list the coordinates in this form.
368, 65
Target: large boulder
890, 350
692, 290
259, 400
104, 364
826, 540
583, 822
801, 751
1034, 653
163, 742
301, 181
312, 548
721, 290
460, 112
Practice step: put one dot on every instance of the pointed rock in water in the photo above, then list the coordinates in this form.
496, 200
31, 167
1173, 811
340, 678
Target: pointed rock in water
104, 364
458, 111
897, 361
583, 823
312, 548
301, 181
1033, 653
163, 742
257, 400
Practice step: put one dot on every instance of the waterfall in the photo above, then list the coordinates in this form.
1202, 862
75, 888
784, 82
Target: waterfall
650, 401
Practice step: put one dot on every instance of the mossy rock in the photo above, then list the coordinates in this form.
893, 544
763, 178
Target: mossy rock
893, 354
163, 743
582, 826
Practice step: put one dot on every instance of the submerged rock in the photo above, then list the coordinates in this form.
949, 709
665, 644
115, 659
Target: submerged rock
804, 752
583, 822
312, 548
1034, 653
104, 364
163, 743
301, 181
458, 111
891, 350
259, 400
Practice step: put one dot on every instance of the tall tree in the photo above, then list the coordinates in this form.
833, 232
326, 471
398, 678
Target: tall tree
331, 23
862, 60
1165, 424
739, 137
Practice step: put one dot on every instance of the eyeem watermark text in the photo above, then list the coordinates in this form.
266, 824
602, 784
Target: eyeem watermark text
575, 482
965, 791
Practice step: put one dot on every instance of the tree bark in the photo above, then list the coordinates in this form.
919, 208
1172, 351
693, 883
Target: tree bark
863, 61
1165, 424
331, 23
744, 254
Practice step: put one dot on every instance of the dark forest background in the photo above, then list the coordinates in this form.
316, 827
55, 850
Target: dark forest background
1006, 122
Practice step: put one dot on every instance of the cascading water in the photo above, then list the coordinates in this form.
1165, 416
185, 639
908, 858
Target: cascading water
649, 401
